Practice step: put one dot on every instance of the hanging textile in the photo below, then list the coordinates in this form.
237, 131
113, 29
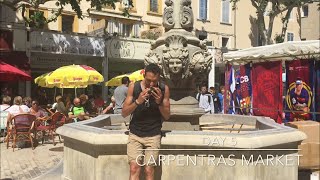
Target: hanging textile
299, 89
267, 90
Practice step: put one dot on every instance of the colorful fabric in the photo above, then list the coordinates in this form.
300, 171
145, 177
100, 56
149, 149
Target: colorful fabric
245, 88
303, 69
227, 93
267, 90
317, 90
231, 91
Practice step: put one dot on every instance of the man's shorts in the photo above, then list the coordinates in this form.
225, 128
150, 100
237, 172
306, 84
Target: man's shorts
136, 153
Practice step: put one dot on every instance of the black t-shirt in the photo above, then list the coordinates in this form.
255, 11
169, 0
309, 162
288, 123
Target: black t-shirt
146, 121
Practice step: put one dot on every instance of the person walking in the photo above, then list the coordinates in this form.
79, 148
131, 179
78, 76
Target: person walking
205, 100
120, 94
148, 103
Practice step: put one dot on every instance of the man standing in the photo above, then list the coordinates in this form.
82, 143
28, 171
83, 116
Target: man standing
216, 100
148, 102
120, 94
205, 100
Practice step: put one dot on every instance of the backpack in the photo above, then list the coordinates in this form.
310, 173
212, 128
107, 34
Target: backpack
209, 97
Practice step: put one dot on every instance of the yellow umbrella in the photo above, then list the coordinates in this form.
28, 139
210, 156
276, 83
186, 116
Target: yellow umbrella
42, 81
135, 76
75, 75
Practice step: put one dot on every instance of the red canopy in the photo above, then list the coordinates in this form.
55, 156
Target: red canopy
10, 73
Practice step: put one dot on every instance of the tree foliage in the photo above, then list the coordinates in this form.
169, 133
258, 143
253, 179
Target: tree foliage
281, 8
39, 20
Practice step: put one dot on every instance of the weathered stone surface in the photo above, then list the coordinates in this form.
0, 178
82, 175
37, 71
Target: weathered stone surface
94, 153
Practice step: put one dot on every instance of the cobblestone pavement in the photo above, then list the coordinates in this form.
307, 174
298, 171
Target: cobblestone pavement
25, 163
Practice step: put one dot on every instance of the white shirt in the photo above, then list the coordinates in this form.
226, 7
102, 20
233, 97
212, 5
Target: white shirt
204, 102
4, 107
14, 109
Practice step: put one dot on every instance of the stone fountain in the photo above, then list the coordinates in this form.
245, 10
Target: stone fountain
193, 146
183, 58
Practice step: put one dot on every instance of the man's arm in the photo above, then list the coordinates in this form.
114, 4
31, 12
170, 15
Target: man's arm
128, 105
164, 107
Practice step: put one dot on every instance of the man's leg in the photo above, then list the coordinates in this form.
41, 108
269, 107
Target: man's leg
151, 155
134, 152
149, 170
134, 171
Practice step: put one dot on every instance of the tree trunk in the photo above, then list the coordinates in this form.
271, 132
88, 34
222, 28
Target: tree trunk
261, 28
270, 28
285, 23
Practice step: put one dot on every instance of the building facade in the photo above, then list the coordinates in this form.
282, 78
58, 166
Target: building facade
127, 39
310, 21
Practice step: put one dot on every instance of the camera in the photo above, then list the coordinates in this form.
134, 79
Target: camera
150, 90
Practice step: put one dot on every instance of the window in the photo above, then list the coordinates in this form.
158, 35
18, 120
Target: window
154, 6
136, 30
290, 36
125, 29
121, 29
225, 11
203, 10
112, 27
30, 15
67, 23
305, 11
224, 42
125, 3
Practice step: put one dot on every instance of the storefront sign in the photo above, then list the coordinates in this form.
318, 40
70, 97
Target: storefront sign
49, 42
127, 49
42, 62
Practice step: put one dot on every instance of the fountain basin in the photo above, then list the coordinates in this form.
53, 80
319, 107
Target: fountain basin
96, 149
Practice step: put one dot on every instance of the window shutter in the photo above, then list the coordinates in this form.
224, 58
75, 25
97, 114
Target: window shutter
225, 11
120, 29
136, 28
110, 27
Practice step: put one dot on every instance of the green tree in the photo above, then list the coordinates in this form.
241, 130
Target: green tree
38, 20
281, 8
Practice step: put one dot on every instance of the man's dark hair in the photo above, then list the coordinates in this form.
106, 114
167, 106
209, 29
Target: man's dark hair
155, 69
125, 80
203, 85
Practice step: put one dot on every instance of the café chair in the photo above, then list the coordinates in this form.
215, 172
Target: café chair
22, 126
57, 119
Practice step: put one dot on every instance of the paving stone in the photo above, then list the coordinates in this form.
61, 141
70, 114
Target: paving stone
25, 163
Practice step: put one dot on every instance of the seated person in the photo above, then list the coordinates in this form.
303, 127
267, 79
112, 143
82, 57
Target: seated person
77, 112
84, 100
36, 110
59, 105
110, 108
17, 108
3, 111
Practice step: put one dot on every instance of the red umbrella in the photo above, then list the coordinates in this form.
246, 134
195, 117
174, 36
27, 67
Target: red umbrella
10, 73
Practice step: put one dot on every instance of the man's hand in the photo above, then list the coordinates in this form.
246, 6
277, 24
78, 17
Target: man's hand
143, 96
157, 94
